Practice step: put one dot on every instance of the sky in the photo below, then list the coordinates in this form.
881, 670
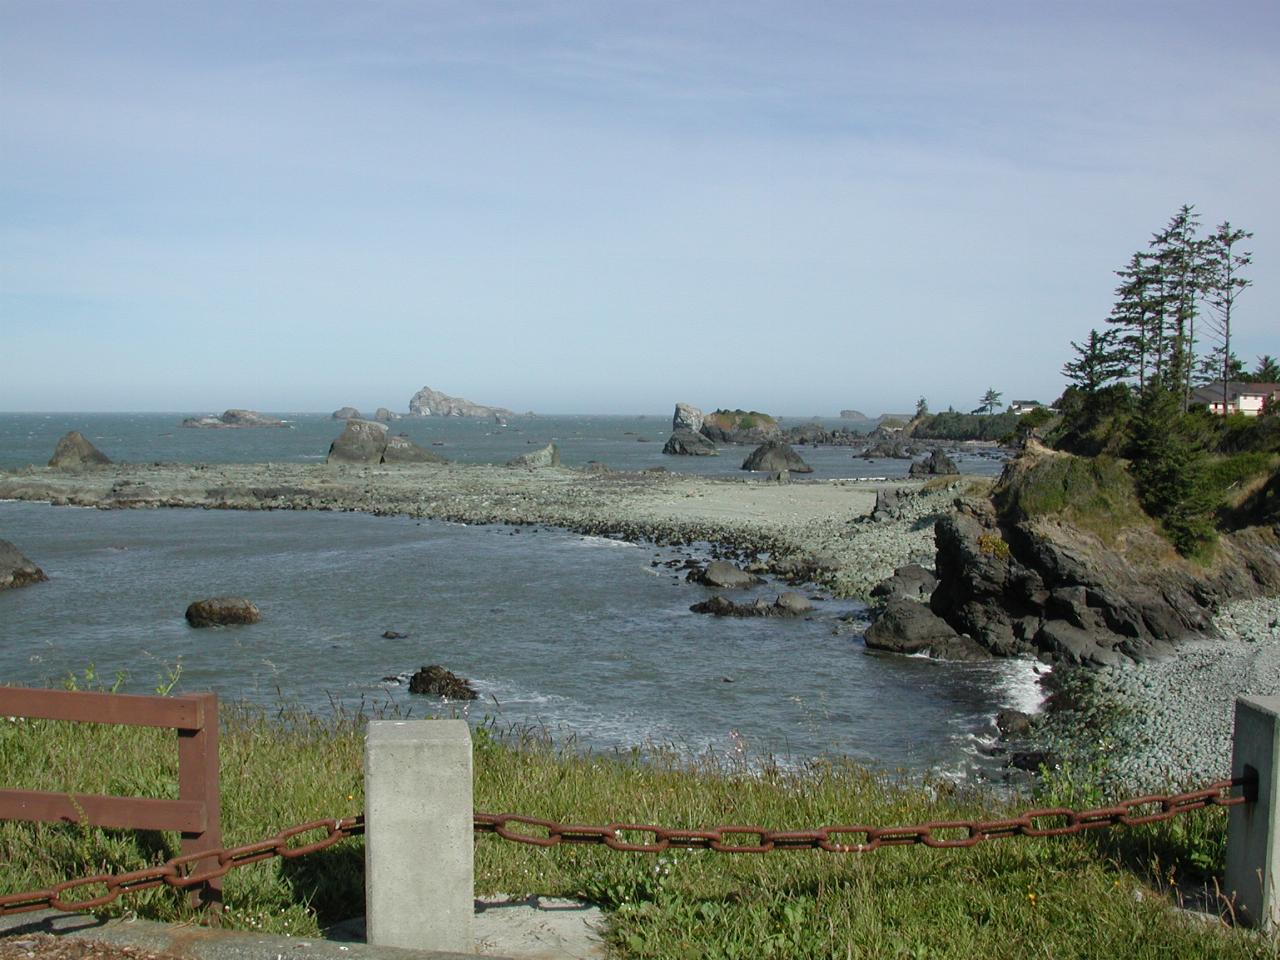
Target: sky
607, 207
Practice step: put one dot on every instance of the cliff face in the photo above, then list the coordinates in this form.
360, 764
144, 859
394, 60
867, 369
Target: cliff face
432, 403
1062, 561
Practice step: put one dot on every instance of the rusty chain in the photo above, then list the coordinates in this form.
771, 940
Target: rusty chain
183, 872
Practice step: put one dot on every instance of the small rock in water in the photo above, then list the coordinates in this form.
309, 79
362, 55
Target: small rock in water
438, 681
222, 611
394, 635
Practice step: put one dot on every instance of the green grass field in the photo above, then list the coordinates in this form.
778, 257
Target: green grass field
1107, 894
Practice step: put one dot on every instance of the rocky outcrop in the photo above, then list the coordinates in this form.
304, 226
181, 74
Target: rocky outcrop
222, 612
75, 452
436, 681
686, 443
908, 626
686, 417
740, 426
887, 450
432, 403
346, 413
234, 418
363, 441
937, 464
548, 456
722, 573
383, 415
787, 604
853, 415
774, 456
1018, 582
400, 449
15, 569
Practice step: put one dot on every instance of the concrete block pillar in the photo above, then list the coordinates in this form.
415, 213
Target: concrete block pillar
1253, 829
419, 872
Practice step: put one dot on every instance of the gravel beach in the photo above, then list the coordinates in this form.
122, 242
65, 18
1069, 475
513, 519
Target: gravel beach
813, 530
1168, 722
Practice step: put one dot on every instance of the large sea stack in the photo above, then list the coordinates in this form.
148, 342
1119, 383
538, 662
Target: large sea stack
75, 452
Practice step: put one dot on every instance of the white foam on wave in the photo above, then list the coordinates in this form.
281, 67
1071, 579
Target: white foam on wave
1019, 683
605, 541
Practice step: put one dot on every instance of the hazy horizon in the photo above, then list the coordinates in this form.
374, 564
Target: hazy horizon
566, 206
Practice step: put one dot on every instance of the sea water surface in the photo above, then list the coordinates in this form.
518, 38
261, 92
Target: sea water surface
588, 638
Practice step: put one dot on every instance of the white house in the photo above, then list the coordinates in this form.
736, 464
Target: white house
1024, 406
1245, 398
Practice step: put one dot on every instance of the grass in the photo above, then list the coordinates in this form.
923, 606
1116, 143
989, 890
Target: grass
1098, 895
1095, 494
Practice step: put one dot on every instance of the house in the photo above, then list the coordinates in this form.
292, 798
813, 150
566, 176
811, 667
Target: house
1024, 406
1245, 398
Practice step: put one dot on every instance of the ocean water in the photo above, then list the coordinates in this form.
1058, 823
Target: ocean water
624, 443
588, 638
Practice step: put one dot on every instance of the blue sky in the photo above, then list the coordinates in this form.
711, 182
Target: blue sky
606, 207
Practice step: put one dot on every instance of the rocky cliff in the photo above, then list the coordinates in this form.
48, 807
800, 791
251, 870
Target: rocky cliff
1061, 561
432, 403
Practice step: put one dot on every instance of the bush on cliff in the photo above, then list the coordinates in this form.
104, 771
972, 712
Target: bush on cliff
965, 426
1093, 493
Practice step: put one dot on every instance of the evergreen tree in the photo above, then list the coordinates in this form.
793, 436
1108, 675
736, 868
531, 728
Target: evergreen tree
1137, 315
1098, 362
1168, 466
1223, 283
1180, 256
1267, 370
990, 400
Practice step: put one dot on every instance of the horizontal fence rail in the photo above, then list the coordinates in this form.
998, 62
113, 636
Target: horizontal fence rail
196, 812
185, 872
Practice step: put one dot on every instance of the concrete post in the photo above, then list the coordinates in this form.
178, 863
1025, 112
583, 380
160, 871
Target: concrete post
419, 880
1253, 840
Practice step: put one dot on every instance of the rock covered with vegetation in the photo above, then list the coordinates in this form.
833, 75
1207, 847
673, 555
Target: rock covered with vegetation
548, 456
436, 681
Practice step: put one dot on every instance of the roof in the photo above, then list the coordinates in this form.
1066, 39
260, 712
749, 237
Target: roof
1212, 392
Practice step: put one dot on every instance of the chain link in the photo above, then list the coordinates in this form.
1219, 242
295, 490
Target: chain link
184, 872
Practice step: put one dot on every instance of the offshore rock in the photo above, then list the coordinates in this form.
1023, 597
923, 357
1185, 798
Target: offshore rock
346, 413
773, 456
548, 456
234, 418
15, 569
75, 452
935, 465
687, 417
222, 611
432, 403
436, 681
382, 415
687, 443
740, 426
363, 441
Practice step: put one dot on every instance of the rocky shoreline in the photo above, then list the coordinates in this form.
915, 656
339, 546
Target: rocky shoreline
813, 531
1166, 723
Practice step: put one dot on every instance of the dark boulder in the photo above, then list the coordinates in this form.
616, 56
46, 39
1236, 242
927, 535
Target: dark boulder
787, 604
774, 456
363, 441
346, 413
15, 569
222, 611
686, 443
740, 426
887, 450
935, 465
75, 452
910, 582
888, 504
436, 681
722, 573
1013, 723
905, 626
